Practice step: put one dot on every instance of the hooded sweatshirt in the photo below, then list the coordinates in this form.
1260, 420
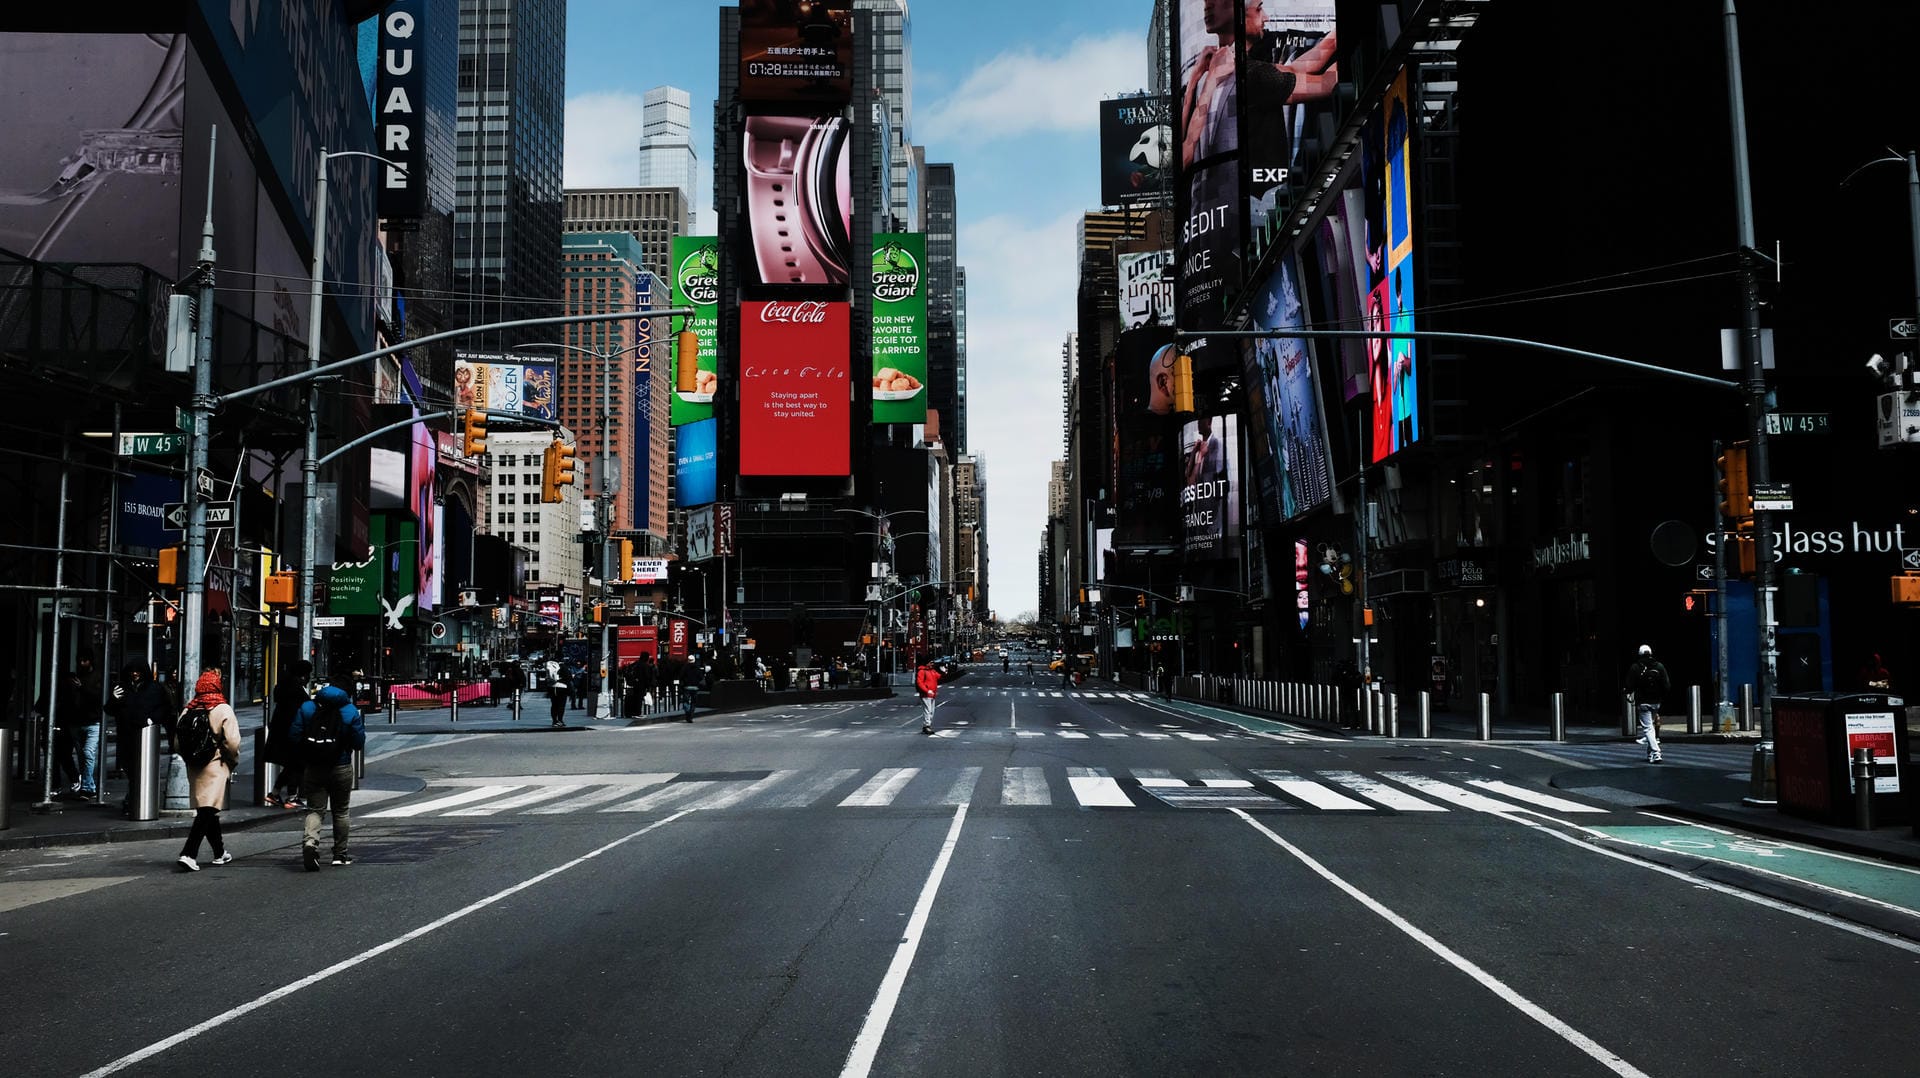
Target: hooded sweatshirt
353, 731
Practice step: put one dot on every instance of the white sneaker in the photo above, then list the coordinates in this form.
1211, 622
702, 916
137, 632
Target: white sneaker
188, 864
223, 858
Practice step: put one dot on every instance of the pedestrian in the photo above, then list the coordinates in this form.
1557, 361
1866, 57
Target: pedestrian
73, 761
207, 778
1166, 683
577, 682
557, 695
689, 688
1006, 663
328, 730
289, 693
1647, 688
927, 681
1874, 676
138, 702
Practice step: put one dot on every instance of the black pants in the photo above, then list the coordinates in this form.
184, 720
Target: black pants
206, 824
559, 707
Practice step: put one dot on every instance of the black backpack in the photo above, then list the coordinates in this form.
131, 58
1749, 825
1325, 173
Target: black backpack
320, 740
1651, 684
193, 737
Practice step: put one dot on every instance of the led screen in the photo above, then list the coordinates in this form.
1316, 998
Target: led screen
1287, 80
1146, 289
1391, 362
794, 388
796, 50
497, 383
899, 327
1209, 492
1149, 441
1290, 451
799, 202
696, 465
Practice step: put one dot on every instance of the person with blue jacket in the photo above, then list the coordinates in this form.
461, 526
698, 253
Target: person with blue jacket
327, 780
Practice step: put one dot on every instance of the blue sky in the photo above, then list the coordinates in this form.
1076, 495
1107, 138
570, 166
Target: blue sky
1007, 90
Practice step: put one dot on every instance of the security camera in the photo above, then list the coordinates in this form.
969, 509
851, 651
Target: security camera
1877, 363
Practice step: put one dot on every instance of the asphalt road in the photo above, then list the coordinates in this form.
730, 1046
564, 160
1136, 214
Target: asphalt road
1087, 883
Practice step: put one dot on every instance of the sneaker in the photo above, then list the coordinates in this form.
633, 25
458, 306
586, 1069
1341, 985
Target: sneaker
310, 856
926, 729
274, 800
339, 860
224, 858
1655, 760
188, 864
293, 803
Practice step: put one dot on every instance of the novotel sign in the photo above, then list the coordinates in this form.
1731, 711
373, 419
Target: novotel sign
400, 91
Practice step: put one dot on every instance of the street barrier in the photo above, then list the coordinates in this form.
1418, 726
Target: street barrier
1426, 713
1486, 716
453, 699
144, 799
1693, 709
1863, 788
359, 766
516, 705
1627, 723
1558, 732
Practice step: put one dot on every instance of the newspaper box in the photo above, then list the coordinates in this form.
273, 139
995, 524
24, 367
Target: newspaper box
1814, 738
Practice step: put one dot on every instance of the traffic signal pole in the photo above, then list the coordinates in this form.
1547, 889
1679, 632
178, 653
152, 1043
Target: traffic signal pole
193, 602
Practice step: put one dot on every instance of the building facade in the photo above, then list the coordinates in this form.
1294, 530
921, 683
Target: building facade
667, 157
548, 534
654, 215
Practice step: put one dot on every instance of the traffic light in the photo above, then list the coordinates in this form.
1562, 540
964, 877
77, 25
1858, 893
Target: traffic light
557, 470
1183, 384
474, 432
277, 589
169, 572
1736, 496
624, 571
1140, 601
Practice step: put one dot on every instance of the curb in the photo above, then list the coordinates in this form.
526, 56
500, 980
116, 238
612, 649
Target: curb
144, 831
1789, 834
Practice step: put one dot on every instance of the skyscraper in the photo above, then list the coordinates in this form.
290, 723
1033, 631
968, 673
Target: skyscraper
654, 215
943, 373
892, 48
603, 273
506, 228
667, 158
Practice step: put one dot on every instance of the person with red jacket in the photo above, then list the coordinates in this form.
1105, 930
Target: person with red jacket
927, 681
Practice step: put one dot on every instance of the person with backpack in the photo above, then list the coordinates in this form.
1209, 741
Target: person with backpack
207, 738
288, 695
926, 681
557, 693
1647, 687
326, 732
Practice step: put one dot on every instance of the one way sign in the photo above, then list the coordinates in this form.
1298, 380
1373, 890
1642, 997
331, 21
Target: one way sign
1910, 559
1702, 572
174, 514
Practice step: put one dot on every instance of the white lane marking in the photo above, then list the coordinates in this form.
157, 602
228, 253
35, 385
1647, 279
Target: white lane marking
820, 733
961, 791
1164, 782
1024, 786
1102, 695
1521, 793
1074, 734
1157, 737
1108, 734
304, 983
812, 790
533, 796
1227, 784
867, 1045
1313, 793
1094, 788
666, 795
740, 792
1013, 717
881, 788
1030, 733
465, 797
1454, 795
1193, 736
1608, 1059
1392, 797
601, 797
430, 743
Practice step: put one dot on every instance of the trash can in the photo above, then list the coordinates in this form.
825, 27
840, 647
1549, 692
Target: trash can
1814, 738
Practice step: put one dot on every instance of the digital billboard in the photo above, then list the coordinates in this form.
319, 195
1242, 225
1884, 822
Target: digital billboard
1287, 81
423, 504
794, 371
1302, 601
799, 202
1388, 190
696, 464
695, 282
499, 383
1209, 491
899, 327
1136, 150
1290, 443
1149, 441
796, 50
1146, 289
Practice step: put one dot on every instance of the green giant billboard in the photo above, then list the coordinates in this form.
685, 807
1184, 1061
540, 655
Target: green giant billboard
899, 327
696, 284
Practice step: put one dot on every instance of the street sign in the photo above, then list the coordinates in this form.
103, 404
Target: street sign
616, 602
1773, 497
182, 420
1703, 572
643, 608
1910, 559
1799, 423
203, 482
174, 516
150, 445
329, 621
1902, 329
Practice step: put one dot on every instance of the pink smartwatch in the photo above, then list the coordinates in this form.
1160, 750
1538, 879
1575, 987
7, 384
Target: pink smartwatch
799, 203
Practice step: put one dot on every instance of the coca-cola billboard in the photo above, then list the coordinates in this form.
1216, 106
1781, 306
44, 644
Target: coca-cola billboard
794, 387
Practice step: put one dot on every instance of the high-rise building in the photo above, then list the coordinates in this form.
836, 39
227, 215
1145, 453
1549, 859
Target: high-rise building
506, 229
667, 158
943, 373
891, 46
960, 349
654, 215
1069, 367
548, 533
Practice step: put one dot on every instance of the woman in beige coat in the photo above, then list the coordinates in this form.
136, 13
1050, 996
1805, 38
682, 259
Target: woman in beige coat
209, 780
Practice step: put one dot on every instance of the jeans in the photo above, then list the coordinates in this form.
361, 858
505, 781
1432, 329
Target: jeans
324, 788
1649, 729
87, 742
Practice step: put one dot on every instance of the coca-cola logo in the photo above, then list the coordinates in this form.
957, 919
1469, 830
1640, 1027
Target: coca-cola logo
809, 311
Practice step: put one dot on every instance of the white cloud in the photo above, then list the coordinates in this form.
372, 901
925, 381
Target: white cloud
1024, 91
1021, 280
603, 148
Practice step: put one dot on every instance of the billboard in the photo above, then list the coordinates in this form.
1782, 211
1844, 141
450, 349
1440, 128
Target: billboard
423, 504
794, 387
1209, 492
799, 202
1146, 289
1287, 80
700, 534
1289, 441
899, 327
696, 464
695, 282
495, 382
1392, 363
400, 110
1149, 441
796, 50
143, 497
1136, 150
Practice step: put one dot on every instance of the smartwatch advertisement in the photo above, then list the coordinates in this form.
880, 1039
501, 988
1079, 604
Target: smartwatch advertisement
796, 50
799, 203
899, 327
794, 387
696, 284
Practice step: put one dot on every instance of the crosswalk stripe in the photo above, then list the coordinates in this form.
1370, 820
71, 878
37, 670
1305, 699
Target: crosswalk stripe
1030, 733
1024, 786
1396, 799
1190, 736
1094, 788
1521, 793
1219, 777
665, 795
533, 796
961, 792
729, 798
1157, 737
806, 793
1312, 793
881, 788
1075, 734
464, 797
1447, 792
1110, 734
601, 796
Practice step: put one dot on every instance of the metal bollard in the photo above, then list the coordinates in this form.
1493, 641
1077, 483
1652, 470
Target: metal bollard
1366, 709
359, 766
6, 778
1628, 725
393, 707
1486, 716
1863, 789
453, 700
1746, 708
144, 799
264, 773
1693, 709
1393, 714
516, 705
1557, 718
1426, 713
